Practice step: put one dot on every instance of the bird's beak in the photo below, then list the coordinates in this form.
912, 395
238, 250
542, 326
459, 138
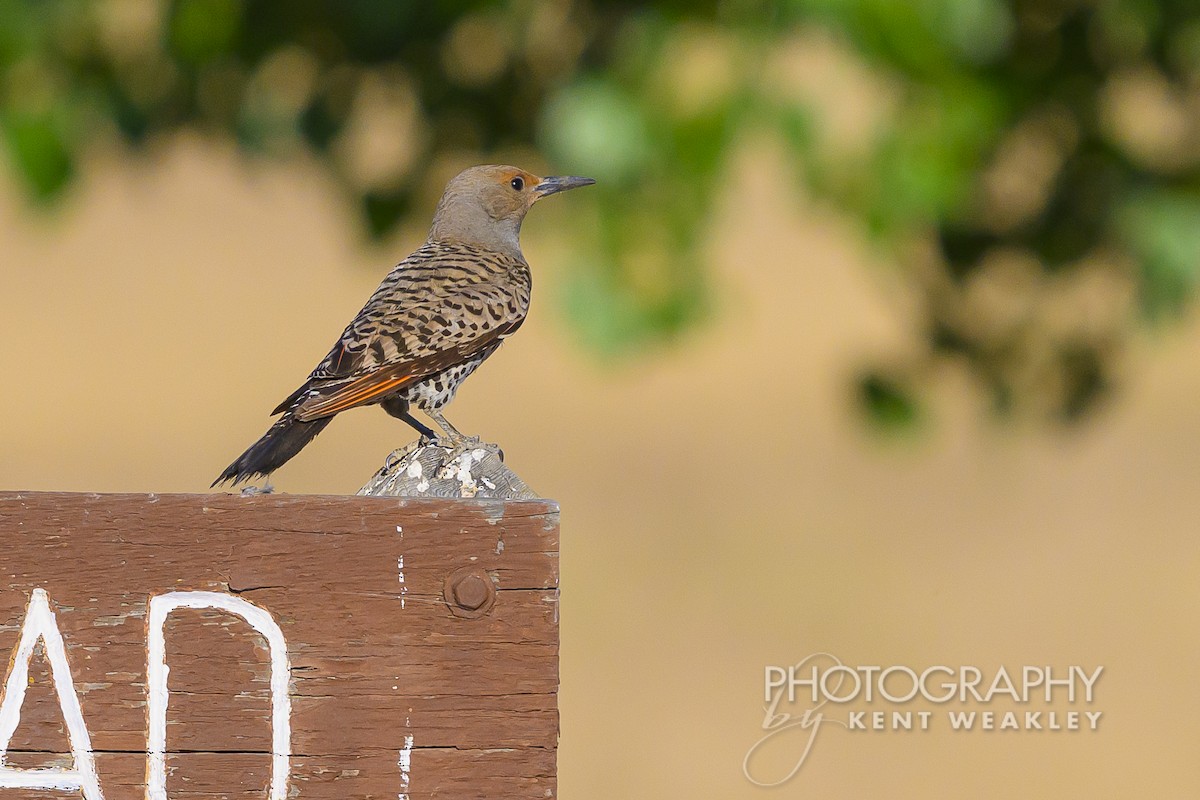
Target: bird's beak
560, 183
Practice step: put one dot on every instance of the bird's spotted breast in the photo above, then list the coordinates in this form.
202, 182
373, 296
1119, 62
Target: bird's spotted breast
436, 391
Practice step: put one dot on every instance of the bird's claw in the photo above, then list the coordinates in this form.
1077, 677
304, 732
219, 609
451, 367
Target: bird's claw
468, 444
398, 455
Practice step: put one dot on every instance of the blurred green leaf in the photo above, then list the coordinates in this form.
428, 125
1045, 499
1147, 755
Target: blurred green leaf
980, 30
39, 152
18, 31
598, 127
887, 402
384, 210
1163, 230
202, 30
612, 317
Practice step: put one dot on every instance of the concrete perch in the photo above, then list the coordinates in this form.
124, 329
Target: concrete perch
431, 470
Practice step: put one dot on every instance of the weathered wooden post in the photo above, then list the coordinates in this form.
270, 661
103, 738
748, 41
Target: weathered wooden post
278, 646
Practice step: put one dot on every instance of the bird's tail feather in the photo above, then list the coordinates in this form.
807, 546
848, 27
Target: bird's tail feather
284, 439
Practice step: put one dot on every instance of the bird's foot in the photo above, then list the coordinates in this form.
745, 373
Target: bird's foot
399, 454
473, 444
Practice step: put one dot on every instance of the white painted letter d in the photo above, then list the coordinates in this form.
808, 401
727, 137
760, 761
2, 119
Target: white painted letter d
156, 684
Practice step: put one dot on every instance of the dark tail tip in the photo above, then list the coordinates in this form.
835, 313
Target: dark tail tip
286, 438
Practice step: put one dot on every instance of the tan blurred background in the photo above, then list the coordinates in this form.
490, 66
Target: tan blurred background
723, 506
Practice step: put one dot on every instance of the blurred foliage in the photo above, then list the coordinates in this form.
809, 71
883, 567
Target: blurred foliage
1032, 167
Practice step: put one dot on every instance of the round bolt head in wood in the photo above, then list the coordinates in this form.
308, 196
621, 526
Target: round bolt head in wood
469, 592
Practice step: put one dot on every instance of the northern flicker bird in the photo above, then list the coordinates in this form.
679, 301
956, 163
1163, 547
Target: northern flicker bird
433, 320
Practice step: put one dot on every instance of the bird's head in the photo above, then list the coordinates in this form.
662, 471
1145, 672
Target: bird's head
486, 205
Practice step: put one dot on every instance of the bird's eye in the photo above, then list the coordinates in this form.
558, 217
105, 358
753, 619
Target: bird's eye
517, 184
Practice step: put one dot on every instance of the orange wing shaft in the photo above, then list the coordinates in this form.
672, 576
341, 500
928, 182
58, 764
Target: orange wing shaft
350, 396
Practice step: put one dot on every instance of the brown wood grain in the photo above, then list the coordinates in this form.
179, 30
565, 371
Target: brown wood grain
372, 660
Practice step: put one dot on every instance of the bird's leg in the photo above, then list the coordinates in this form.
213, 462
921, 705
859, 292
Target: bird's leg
456, 439
461, 443
427, 434
398, 407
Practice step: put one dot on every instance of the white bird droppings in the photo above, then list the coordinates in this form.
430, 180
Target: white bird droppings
405, 766
403, 588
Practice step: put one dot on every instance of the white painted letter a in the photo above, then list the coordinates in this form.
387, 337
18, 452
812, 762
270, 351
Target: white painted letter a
40, 624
